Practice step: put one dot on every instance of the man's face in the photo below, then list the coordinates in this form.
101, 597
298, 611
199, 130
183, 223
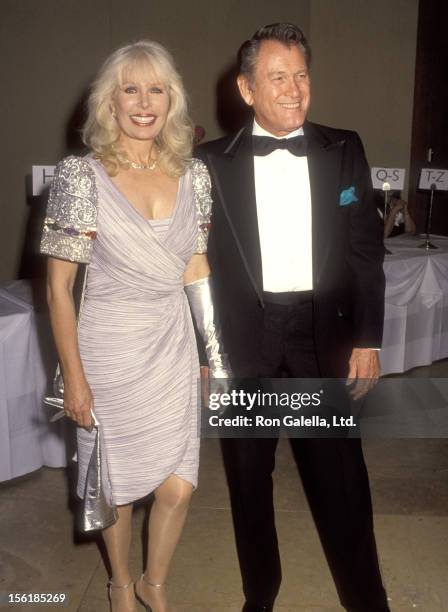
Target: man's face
280, 89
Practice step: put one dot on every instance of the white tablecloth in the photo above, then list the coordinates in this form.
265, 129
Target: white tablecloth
416, 308
415, 334
27, 441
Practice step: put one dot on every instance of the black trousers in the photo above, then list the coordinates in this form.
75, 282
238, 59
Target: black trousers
334, 477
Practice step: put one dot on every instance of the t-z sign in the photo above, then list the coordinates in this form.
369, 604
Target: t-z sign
430, 178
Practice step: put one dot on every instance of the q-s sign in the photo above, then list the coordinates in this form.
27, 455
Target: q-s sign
393, 176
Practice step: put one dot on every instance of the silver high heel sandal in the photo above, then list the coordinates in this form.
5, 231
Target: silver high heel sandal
111, 585
140, 598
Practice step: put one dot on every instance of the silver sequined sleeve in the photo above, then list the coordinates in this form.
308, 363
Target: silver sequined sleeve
203, 202
70, 225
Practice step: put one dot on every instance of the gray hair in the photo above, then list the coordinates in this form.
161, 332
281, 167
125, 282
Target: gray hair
285, 33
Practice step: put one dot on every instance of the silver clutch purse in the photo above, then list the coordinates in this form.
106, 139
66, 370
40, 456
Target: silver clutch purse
96, 511
57, 399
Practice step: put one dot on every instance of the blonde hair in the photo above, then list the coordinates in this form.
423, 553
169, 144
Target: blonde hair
101, 132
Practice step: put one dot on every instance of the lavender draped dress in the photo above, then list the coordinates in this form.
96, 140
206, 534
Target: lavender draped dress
138, 346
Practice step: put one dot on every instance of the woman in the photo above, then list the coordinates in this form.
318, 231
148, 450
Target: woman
137, 209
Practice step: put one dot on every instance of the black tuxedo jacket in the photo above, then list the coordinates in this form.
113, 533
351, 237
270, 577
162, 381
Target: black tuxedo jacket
348, 279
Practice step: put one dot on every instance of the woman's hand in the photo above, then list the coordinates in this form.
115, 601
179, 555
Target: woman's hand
78, 402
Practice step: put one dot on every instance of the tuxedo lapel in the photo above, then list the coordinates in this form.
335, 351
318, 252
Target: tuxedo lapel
233, 177
325, 168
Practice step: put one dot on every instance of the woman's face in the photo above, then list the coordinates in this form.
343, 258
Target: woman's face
140, 104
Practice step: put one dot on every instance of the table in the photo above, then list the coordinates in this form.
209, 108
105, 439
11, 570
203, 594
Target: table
27, 440
416, 305
415, 334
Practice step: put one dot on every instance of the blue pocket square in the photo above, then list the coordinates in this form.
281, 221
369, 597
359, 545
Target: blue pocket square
347, 196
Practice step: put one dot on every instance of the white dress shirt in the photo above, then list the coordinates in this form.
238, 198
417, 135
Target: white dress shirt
282, 190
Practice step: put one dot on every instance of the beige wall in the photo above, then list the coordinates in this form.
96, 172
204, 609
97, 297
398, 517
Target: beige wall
50, 50
363, 72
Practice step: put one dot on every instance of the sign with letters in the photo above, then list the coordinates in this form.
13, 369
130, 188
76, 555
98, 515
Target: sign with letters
432, 176
393, 176
42, 177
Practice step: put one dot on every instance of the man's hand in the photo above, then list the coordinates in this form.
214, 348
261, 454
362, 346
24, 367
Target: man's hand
364, 371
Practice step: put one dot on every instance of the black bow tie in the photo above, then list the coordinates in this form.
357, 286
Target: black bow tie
263, 145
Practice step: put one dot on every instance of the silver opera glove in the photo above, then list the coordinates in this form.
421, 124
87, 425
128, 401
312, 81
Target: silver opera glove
199, 296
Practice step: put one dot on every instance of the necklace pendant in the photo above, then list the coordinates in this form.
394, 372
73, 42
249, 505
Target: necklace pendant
138, 166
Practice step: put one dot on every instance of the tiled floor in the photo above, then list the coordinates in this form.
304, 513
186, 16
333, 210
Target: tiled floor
39, 551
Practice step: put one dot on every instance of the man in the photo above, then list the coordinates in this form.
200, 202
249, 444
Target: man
296, 255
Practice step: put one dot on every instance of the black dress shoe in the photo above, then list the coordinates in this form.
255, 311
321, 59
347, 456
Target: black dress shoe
248, 607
